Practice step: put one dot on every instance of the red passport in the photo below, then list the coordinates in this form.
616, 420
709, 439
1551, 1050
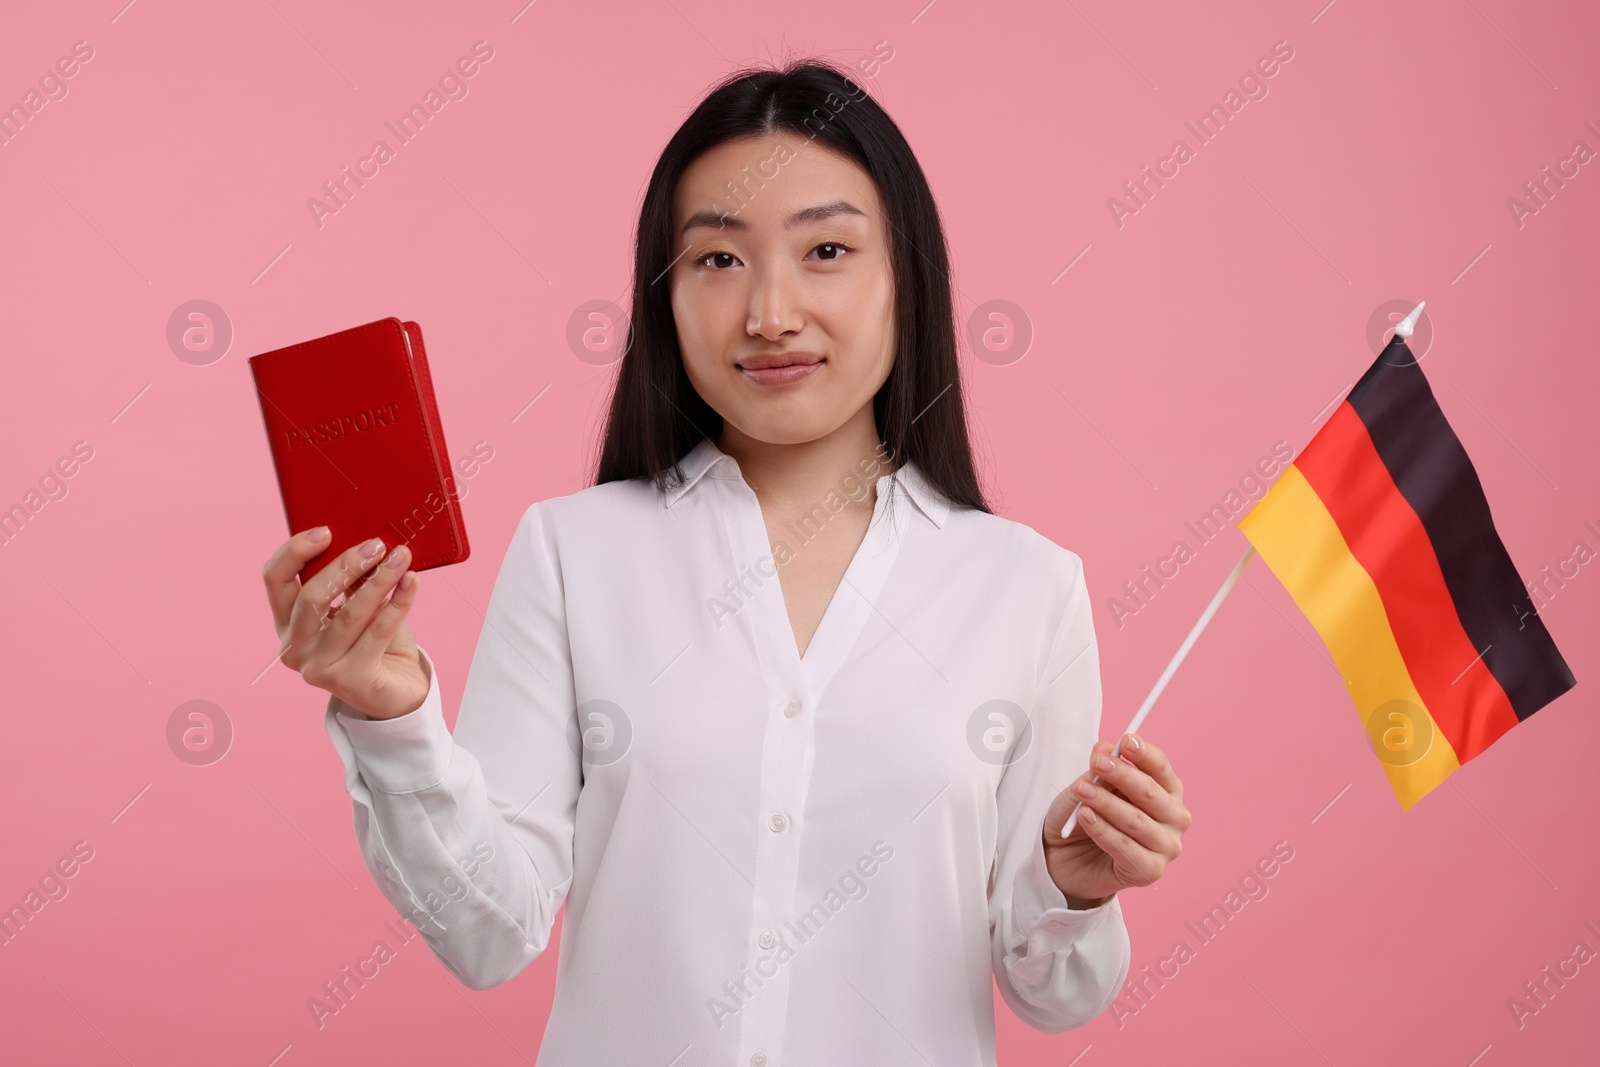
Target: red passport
357, 443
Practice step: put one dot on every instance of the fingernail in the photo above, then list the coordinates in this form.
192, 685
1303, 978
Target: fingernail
398, 557
372, 548
1085, 789
1103, 763
317, 536
1086, 815
1133, 743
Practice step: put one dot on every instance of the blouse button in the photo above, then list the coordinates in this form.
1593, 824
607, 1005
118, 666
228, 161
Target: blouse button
779, 823
767, 939
758, 1060
792, 709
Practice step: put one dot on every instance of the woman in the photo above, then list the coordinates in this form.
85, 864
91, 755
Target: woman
800, 820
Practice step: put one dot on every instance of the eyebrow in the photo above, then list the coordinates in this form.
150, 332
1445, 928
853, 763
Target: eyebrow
726, 220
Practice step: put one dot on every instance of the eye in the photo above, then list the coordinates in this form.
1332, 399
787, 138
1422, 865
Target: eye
838, 249
721, 259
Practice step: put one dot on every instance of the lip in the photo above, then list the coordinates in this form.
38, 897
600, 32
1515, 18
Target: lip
780, 368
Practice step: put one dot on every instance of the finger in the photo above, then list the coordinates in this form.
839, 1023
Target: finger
1060, 809
1141, 865
340, 576
386, 622
1137, 786
346, 627
282, 571
1152, 761
1151, 834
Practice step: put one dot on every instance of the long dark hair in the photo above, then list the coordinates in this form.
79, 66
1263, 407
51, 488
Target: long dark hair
656, 416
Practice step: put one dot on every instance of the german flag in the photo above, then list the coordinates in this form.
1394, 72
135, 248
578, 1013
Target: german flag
1381, 533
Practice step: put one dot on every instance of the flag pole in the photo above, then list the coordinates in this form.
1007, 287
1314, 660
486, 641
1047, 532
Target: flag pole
1408, 325
1172, 667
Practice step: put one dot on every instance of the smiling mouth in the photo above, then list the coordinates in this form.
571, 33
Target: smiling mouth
780, 369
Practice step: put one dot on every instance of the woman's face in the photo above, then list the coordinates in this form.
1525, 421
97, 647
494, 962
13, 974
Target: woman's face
782, 258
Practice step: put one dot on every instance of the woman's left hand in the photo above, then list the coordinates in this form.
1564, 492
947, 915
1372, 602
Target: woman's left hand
1130, 828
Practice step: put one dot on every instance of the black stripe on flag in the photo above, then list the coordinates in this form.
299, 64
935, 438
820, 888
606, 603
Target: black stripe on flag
1434, 474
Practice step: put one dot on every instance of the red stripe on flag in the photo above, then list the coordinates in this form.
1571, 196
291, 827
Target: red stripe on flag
1388, 539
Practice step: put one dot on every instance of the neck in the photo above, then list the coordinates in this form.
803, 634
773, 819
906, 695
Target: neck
789, 476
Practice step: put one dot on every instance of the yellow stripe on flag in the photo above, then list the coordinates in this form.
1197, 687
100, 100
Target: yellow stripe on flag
1299, 540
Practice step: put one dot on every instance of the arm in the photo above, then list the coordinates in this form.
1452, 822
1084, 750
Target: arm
1059, 963
470, 836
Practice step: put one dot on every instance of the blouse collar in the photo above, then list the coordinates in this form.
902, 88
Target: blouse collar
706, 455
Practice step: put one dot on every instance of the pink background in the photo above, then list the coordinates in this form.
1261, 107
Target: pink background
1223, 317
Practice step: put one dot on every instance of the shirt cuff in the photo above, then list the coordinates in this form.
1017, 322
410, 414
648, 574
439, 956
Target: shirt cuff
1040, 910
403, 754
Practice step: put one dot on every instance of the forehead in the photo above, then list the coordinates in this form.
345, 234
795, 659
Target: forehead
765, 180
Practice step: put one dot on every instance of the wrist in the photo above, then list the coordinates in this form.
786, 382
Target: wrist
1074, 902
423, 667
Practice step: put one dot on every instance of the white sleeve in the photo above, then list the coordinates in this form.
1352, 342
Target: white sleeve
470, 836
1057, 967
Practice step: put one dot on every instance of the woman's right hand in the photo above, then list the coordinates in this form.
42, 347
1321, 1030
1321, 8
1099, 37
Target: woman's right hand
365, 654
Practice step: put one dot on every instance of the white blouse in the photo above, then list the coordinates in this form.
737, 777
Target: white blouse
766, 858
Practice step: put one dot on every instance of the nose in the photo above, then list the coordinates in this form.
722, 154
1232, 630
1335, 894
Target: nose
774, 305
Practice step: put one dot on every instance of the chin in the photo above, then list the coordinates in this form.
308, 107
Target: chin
781, 428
